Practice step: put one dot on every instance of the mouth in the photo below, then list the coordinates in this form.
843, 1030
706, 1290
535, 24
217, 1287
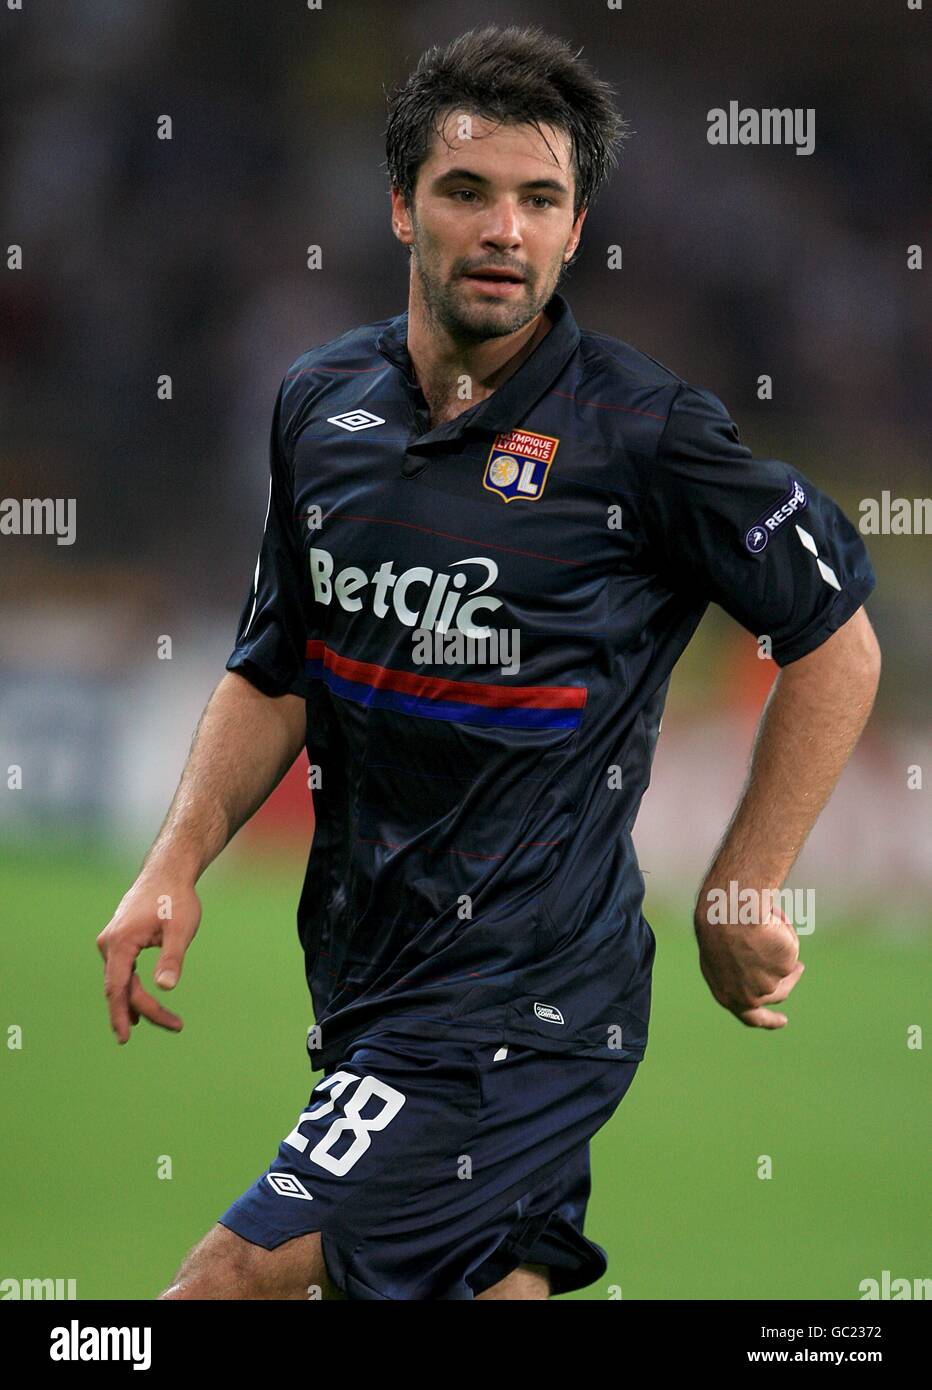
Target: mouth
499, 283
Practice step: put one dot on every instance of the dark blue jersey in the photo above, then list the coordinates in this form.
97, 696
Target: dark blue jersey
472, 873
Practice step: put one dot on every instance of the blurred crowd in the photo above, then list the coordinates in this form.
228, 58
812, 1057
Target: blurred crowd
186, 257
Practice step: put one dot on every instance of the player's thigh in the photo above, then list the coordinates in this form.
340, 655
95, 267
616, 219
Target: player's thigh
527, 1281
225, 1265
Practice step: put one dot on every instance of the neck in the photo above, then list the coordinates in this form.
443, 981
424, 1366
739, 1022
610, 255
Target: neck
440, 361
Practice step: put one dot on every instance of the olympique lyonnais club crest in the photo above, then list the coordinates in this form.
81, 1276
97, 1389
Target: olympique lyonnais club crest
518, 465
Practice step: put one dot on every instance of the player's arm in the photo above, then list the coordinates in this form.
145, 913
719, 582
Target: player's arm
765, 543
244, 744
812, 720
250, 733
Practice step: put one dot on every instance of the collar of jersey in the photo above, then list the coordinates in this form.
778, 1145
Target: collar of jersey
507, 407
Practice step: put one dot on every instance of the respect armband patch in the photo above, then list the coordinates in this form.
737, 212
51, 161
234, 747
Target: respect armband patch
757, 537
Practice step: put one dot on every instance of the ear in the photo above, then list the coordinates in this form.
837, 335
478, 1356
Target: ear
575, 235
401, 219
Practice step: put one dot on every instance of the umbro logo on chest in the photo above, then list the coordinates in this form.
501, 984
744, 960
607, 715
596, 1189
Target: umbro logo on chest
355, 420
518, 462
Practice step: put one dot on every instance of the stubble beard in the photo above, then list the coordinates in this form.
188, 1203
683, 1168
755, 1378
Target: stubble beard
448, 307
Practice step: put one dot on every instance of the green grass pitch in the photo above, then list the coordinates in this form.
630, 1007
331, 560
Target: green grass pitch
837, 1100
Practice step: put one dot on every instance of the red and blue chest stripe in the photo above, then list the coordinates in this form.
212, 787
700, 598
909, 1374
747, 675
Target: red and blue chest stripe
434, 697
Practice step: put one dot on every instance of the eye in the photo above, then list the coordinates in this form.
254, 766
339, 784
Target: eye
540, 197
456, 192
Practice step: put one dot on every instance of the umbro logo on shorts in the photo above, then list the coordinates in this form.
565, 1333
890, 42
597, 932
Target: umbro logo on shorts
287, 1185
355, 420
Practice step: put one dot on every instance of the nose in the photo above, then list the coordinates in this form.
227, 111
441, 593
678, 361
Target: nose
502, 228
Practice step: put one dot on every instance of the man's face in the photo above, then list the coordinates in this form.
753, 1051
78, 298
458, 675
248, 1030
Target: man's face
490, 197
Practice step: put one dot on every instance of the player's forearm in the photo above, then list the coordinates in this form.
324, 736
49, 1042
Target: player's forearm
244, 744
810, 726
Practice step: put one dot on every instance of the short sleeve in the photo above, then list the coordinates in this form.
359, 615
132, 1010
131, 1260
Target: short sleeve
753, 535
271, 637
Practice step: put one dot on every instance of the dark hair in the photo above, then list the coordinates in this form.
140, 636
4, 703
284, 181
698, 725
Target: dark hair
511, 75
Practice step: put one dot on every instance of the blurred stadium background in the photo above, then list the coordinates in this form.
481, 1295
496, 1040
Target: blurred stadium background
187, 257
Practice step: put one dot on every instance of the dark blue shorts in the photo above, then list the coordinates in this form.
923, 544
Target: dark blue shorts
433, 1169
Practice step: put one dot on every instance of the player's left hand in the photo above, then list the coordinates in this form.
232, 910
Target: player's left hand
748, 967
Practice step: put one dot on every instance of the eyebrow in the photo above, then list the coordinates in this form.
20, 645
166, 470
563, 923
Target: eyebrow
458, 174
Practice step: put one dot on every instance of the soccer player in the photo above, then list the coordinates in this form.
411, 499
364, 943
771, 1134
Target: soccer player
479, 471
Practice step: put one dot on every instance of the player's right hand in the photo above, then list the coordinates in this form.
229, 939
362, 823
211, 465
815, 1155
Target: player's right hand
158, 910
